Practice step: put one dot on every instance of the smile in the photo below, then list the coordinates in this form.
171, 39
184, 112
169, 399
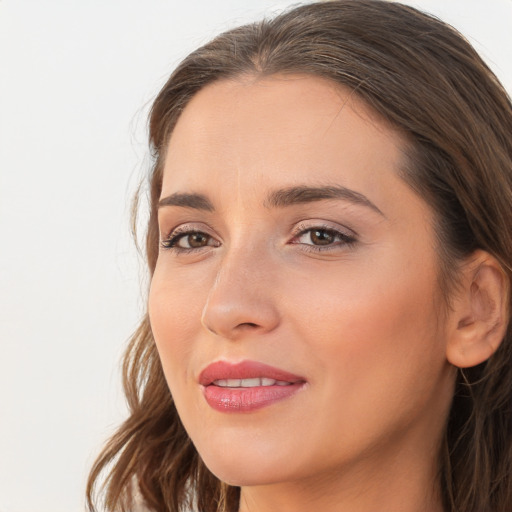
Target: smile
249, 383
246, 386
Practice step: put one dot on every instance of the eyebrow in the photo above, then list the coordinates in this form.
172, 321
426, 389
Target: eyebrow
278, 198
301, 195
195, 201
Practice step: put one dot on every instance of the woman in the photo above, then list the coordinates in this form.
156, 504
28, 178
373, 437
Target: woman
330, 250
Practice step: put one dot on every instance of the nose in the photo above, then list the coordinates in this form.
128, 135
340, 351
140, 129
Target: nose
241, 300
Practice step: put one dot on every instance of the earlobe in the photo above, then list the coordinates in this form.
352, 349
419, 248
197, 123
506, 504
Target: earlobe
480, 314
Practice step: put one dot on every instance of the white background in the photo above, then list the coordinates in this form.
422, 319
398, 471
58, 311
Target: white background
76, 78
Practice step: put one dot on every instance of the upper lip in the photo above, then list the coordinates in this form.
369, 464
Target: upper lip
221, 370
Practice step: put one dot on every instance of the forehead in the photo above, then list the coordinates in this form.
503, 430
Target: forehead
275, 131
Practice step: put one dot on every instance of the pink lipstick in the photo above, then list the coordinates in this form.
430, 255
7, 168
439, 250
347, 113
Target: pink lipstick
246, 386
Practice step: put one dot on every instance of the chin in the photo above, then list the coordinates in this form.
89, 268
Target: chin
239, 469
238, 476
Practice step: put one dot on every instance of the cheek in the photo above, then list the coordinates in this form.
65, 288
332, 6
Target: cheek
175, 307
370, 339
374, 325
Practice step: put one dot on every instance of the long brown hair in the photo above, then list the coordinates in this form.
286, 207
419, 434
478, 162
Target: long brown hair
424, 78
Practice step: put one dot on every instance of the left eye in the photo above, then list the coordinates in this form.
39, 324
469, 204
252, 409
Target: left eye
322, 237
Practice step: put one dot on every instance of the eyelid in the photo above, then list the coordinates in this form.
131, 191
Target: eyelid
347, 236
186, 227
183, 230
304, 226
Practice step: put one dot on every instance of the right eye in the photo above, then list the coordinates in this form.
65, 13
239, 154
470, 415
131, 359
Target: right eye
188, 240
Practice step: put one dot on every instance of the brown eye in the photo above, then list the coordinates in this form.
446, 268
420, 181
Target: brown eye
322, 237
193, 241
188, 241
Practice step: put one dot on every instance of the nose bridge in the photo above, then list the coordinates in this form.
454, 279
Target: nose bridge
241, 296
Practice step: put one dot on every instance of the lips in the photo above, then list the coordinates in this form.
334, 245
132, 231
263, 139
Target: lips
246, 386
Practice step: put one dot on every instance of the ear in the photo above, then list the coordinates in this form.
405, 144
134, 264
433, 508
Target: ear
479, 318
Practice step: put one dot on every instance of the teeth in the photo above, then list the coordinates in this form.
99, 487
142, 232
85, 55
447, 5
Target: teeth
249, 383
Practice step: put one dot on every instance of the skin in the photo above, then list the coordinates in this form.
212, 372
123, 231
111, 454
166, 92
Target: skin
359, 320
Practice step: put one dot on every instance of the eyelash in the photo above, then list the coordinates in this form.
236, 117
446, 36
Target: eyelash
342, 239
171, 241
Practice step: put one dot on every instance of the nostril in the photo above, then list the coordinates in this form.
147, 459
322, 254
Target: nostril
246, 327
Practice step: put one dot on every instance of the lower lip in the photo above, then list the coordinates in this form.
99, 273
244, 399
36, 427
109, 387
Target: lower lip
247, 399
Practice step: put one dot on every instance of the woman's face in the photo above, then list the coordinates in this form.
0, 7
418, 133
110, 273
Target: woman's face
295, 301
